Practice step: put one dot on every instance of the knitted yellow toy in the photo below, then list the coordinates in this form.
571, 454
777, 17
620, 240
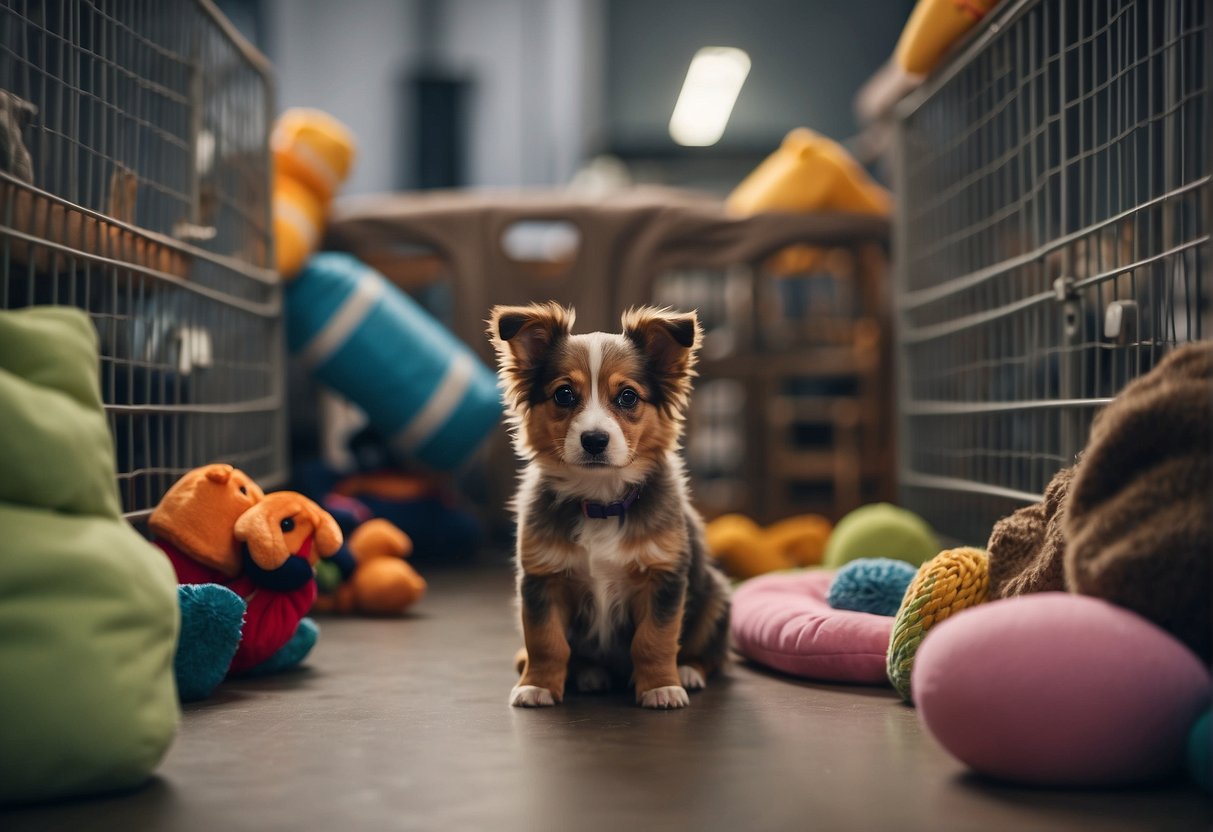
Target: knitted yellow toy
745, 549
808, 173
953, 580
313, 153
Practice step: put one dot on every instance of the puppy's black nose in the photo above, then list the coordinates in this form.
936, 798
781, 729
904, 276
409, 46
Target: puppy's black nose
595, 441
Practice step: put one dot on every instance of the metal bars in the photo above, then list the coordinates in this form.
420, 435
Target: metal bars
1053, 241
145, 202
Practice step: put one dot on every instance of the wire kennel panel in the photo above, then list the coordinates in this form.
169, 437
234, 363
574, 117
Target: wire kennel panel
135, 185
1052, 241
790, 413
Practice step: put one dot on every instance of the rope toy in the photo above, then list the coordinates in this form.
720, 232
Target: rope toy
953, 580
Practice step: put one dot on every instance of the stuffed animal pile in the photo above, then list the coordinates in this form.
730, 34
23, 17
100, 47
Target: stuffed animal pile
244, 561
246, 566
371, 576
744, 549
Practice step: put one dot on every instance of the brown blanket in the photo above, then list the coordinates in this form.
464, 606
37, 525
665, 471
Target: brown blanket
1027, 548
1132, 522
1139, 517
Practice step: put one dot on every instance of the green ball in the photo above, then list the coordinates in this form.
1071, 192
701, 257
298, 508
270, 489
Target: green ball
880, 530
1200, 747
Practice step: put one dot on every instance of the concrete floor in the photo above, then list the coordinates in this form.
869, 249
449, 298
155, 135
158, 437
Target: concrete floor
403, 725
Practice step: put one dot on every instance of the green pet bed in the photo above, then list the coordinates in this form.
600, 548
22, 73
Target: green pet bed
88, 609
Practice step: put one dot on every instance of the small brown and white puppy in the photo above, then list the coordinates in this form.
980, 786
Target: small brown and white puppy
613, 577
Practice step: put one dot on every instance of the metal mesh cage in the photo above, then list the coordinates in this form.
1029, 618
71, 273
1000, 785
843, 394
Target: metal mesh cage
790, 413
1052, 241
134, 184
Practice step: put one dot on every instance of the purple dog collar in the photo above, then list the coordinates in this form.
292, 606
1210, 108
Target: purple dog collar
601, 511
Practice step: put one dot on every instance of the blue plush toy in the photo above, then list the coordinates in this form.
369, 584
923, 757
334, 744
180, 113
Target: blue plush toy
874, 585
211, 616
211, 621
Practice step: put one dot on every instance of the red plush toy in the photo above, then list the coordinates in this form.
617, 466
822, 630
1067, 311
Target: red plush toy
220, 530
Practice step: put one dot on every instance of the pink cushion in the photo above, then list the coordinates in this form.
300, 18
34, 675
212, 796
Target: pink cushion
782, 620
1061, 690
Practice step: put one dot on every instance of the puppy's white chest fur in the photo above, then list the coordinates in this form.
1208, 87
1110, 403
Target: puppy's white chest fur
603, 541
607, 569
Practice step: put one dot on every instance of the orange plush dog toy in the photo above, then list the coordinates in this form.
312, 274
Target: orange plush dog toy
375, 580
244, 562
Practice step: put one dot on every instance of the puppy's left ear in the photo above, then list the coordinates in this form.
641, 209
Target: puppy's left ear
670, 342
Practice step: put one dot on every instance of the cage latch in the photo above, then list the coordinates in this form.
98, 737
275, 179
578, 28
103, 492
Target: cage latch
1120, 321
1063, 288
1067, 296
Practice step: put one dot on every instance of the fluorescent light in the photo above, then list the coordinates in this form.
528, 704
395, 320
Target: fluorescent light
713, 81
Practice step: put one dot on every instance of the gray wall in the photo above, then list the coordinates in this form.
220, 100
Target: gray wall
557, 81
537, 100
536, 68
348, 59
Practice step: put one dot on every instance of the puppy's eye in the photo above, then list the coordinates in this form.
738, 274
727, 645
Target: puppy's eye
627, 398
287, 525
564, 396
243, 490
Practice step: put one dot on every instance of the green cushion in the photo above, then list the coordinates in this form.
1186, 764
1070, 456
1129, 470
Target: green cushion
880, 530
56, 445
88, 608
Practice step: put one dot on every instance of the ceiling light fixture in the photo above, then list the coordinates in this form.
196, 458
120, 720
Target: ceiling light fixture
713, 82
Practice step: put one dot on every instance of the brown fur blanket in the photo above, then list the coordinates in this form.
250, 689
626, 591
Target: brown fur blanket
1027, 549
1132, 522
1139, 520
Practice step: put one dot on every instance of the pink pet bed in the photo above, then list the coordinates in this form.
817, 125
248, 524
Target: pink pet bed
1054, 689
783, 621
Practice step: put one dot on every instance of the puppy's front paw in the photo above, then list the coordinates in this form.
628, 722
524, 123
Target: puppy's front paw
666, 698
691, 677
530, 696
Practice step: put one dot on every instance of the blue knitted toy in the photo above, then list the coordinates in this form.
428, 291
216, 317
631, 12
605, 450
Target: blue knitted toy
874, 585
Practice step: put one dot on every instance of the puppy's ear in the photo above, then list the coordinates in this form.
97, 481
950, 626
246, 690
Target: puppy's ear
670, 343
523, 334
525, 338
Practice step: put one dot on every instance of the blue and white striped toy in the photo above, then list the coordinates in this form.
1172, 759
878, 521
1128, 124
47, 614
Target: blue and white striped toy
422, 388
